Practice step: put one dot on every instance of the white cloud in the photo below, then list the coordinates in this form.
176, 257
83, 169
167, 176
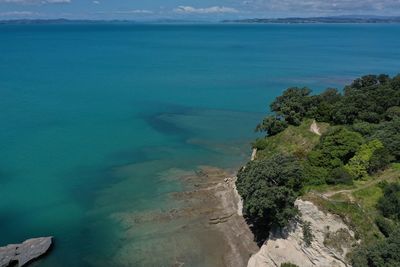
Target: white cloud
36, 2
55, 1
96, 2
207, 10
16, 14
321, 6
126, 12
135, 11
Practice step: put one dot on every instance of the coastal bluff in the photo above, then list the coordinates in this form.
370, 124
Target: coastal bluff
21, 254
332, 240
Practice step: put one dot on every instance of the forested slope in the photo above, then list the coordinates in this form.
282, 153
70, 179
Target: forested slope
351, 170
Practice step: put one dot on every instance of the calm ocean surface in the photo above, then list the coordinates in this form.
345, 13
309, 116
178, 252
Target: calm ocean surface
97, 119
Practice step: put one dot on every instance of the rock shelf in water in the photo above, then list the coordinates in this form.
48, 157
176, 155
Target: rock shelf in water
21, 254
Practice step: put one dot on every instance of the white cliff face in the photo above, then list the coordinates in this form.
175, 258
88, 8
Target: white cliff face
332, 240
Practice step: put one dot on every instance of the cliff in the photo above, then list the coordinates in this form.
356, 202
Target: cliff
331, 241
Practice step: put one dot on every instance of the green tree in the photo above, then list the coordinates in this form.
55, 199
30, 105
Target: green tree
272, 125
379, 160
393, 112
307, 233
389, 203
367, 99
358, 165
325, 162
382, 253
389, 133
386, 226
340, 143
323, 105
269, 189
293, 104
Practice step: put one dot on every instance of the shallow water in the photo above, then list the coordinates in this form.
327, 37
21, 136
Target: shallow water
95, 118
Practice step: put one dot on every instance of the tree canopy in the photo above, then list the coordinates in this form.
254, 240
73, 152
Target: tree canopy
269, 188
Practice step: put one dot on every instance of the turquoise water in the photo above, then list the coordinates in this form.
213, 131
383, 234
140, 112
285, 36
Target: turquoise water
95, 118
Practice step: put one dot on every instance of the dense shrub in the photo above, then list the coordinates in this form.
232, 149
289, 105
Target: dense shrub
269, 188
389, 134
272, 125
359, 165
293, 104
339, 176
379, 160
386, 226
307, 233
392, 113
382, 253
367, 99
389, 203
324, 104
325, 162
288, 264
340, 143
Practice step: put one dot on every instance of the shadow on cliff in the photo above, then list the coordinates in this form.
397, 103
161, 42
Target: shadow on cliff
263, 231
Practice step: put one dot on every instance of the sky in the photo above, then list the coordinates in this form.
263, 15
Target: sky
191, 9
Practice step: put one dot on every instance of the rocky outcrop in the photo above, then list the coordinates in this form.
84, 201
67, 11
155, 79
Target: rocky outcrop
331, 241
314, 128
253, 154
21, 254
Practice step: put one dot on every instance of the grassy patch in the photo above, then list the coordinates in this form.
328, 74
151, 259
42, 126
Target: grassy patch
396, 166
325, 188
294, 140
368, 197
356, 204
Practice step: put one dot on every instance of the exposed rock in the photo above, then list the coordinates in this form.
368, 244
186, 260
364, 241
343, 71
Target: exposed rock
331, 241
21, 254
314, 128
253, 154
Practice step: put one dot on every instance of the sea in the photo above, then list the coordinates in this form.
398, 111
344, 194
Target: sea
98, 121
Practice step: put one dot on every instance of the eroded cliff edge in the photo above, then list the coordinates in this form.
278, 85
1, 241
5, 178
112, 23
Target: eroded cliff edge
332, 240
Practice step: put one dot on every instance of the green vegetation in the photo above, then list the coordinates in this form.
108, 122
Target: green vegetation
359, 165
389, 203
352, 170
269, 188
337, 239
326, 162
307, 233
288, 264
297, 141
385, 251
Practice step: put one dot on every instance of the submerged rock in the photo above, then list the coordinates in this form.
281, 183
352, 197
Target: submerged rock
21, 254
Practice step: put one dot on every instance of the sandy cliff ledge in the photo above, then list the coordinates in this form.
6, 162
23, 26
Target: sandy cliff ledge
332, 241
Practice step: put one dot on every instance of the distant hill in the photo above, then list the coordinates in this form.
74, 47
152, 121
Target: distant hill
335, 19
63, 21
69, 21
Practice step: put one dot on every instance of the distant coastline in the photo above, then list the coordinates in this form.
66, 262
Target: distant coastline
116, 22
315, 20
291, 20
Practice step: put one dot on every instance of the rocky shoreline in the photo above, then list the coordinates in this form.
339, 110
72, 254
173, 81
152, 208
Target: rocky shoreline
205, 228
21, 254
